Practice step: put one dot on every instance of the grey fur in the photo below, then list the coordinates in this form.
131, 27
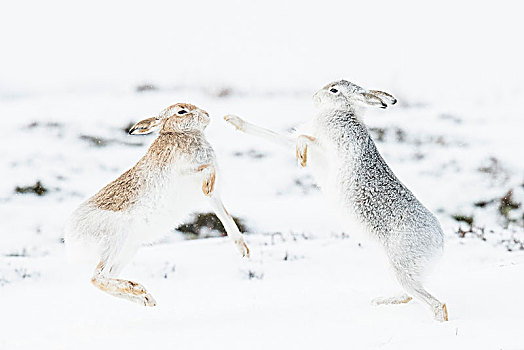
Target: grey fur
374, 196
349, 168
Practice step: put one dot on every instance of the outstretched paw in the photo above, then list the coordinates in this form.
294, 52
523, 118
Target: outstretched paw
237, 122
242, 247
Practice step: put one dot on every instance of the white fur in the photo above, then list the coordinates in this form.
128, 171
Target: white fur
170, 192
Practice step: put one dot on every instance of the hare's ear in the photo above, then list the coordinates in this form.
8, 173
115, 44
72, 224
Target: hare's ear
369, 99
145, 126
388, 98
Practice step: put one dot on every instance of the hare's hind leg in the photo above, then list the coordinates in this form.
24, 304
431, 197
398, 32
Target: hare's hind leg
412, 285
111, 264
124, 289
398, 299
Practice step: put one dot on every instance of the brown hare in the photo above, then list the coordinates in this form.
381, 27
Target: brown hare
177, 172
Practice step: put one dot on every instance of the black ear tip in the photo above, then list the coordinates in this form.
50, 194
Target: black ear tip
394, 101
384, 106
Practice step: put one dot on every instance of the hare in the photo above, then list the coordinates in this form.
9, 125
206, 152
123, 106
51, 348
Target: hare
178, 171
346, 164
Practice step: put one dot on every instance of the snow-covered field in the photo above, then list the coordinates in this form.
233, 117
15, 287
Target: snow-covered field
455, 139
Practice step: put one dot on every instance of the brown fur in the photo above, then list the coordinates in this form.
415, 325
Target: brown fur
187, 106
303, 156
378, 92
145, 126
121, 288
123, 192
126, 287
208, 185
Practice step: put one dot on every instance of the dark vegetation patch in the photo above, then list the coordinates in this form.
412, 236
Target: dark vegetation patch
252, 275
483, 203
96, 141
291, 257
388, 134
13, 274
450, 117
146, 87
204, 225
463, 218
49, 125
506, 205
169, 269
494, 169
306, 184
252, 153
511, 234
17, 254
478, 232
378, 134
37, 189
396, 134
224, 92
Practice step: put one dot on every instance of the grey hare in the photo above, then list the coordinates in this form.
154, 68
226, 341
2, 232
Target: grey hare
345, 162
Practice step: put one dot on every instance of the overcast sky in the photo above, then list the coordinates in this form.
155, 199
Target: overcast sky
447, 48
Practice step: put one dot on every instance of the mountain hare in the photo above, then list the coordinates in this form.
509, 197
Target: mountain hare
178, 171
349, 169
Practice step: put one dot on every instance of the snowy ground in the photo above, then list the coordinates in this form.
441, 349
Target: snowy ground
308, 284
68, 89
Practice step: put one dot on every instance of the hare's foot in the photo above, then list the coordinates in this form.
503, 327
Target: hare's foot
301, 148
124, 289
399, 299
242, 247
237, 122
441, 313
144, 299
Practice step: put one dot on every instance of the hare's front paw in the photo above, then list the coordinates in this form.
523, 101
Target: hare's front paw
303, 141
242, 247
237, 122
301, 150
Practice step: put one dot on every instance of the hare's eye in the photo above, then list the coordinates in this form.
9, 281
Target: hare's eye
333, 90
182, 111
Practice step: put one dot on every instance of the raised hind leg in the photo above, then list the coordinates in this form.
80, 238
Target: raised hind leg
109, 267
412, 285
120, 288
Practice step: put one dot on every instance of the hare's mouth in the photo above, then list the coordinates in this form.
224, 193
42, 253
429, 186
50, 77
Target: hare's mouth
317, 99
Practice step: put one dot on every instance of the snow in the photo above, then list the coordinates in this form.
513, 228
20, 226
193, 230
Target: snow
71, 71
